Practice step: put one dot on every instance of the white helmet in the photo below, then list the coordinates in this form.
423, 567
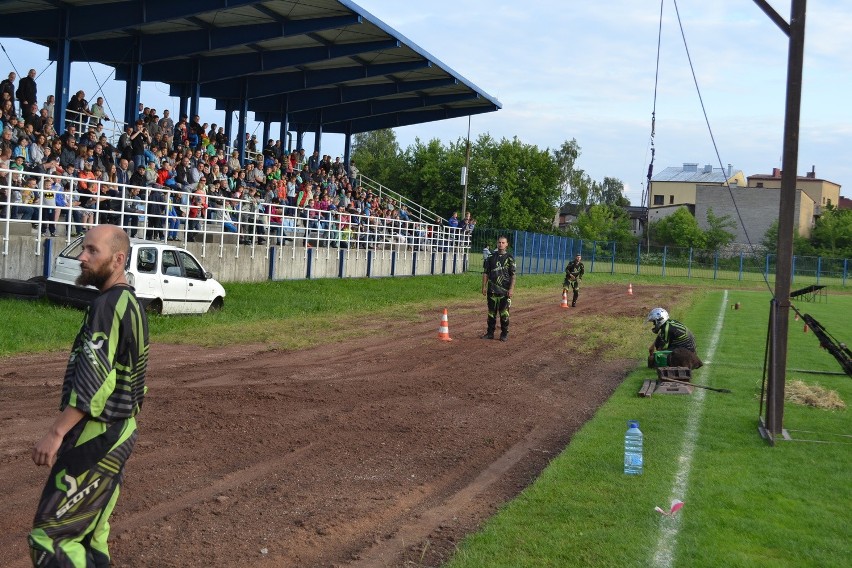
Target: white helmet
659, 316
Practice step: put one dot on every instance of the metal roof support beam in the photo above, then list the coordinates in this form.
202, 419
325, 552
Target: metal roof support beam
63, 73
132, 88
300, 137
158, 47
347, 147
354, 111
405, 119
92, 19
318, 98
285, 124
222, 67
241, 134
318, 134
276, 84
266, 126
229, 121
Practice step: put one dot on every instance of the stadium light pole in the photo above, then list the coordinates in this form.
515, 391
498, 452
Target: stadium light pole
772, 425
465, 171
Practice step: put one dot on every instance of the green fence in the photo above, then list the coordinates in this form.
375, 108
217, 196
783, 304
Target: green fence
536, 253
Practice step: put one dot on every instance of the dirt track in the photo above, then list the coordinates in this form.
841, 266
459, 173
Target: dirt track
359, 453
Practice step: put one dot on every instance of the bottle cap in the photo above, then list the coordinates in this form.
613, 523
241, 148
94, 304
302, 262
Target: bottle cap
633, 424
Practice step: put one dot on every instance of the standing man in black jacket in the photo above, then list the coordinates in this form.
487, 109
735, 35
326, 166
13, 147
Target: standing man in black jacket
27, 93
573, 274
498, 286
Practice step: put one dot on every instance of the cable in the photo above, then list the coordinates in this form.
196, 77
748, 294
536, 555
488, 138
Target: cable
654, 118
45, 69
10, 59
716, 148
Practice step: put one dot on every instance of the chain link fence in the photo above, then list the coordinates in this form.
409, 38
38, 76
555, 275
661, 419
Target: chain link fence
537, 253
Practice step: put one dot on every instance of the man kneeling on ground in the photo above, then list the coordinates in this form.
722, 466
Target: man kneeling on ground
674, 337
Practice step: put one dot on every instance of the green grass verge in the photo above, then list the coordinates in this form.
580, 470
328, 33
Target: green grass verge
746, 504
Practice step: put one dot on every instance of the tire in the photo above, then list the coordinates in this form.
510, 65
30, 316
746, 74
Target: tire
154, 307
11, 287
216, 305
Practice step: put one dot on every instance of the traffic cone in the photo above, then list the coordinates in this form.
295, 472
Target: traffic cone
444, 330
630, 289
805, 329
564, 299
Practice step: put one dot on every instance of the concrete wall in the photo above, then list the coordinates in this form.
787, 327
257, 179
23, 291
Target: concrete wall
28, 256
758, 207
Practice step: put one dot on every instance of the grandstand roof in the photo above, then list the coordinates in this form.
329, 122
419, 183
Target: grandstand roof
329, 61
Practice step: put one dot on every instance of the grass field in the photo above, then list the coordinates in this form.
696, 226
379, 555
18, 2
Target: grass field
746, 503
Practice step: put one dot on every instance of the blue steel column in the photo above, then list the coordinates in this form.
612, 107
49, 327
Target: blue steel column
318, 134
347, 147
133, 85
194, 99
285, 124
266, 126
63, 73
229, 121
241, 135
300, 135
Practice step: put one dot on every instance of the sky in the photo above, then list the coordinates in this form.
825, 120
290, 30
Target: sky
566, 69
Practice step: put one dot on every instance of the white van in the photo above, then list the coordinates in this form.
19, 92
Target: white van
167, 279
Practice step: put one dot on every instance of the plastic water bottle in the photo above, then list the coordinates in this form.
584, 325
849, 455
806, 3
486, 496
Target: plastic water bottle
633, 448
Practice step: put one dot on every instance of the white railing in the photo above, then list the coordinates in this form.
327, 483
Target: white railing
415, 209
158, 213
113, 129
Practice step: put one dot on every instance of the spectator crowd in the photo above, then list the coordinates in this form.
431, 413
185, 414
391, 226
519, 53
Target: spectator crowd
163, 178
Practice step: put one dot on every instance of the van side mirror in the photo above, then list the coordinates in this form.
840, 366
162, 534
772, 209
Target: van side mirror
208, 275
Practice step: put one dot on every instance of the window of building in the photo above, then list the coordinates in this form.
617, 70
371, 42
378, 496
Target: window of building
671, 199
760, 184
658, 200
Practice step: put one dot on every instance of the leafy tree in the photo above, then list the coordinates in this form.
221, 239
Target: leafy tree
377, 155
718, 236
565, 158
832, 232
612, 192
604, 222
678, 229
801, 245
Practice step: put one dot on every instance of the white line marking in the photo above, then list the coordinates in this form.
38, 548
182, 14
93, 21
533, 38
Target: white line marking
669, 526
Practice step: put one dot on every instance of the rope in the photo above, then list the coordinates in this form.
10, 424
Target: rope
716, 148
654, 109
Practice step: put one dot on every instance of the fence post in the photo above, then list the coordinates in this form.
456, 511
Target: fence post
689, 265
741, 267
594, 249
819, 267
537, 250
638, 257
665, 252
715, 264
525, 248
612, 264
793, 275
845, 266
766, 269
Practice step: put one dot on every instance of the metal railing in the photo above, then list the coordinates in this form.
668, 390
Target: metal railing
60, 206
416, 210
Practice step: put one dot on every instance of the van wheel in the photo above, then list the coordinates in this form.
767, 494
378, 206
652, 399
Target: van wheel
155, 307
217, 305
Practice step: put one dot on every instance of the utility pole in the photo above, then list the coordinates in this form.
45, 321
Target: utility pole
465, 170
772, 425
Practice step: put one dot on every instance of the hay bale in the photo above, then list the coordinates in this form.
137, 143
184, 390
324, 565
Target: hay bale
802, 393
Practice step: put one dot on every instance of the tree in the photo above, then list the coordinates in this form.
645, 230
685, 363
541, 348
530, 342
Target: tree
612, 192
678, 229
832, 232
377, 155
604, 222
801, 245
565, 158
717, 235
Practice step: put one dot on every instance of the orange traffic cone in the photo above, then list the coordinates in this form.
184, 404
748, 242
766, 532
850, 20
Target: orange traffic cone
444, 330
630, 289
564, 299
